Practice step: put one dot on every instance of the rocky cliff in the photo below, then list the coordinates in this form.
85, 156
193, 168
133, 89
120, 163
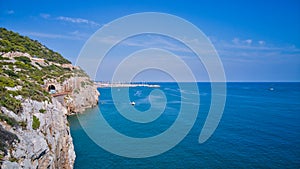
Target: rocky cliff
43, 141
38, 89
78, 92
84, 95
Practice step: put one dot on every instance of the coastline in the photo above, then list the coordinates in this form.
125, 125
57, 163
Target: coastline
103, 85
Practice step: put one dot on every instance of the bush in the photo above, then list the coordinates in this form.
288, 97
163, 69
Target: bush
82, 84
24, 59
10, 73
42, 110
5, 81
3, 58
35, 123
24, 66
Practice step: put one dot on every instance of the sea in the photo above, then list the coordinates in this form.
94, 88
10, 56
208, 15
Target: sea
259, 128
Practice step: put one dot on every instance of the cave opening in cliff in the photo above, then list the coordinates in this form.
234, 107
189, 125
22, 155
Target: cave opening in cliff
51, 89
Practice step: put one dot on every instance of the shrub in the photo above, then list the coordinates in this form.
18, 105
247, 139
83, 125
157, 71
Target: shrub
42, 110
24, 59
24, 66
35, 123
76, 91
82, 84
10, 73
5, 81
3, 58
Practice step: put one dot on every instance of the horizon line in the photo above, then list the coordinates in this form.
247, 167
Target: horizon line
200, 82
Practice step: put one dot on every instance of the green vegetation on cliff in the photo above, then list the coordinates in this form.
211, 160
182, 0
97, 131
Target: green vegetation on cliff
25, 76
28, 72
11, 41
20, 77
35, 123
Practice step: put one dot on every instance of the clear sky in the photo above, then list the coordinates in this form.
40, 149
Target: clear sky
256, 40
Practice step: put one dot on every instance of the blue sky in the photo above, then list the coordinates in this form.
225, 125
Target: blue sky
256, 40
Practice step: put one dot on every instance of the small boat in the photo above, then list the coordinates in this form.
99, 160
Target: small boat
132, 103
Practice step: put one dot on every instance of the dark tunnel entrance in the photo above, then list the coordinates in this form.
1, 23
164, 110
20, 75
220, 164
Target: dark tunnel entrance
51, 89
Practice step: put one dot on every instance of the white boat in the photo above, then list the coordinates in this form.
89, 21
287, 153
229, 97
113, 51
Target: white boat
132, 103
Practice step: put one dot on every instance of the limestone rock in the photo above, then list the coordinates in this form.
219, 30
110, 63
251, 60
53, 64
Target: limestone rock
48, 146
84, 94
10, 165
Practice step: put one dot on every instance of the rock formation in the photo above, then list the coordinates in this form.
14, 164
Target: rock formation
78, 93
84, 95
34, 131
46, 145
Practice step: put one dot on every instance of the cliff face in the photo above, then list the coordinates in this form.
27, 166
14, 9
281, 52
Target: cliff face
43, 137
38, 89
78, 93
84, 95
45, 140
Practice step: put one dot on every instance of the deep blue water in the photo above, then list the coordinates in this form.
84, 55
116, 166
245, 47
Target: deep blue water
260, 128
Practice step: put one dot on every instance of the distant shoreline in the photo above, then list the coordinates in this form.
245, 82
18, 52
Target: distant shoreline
103, 85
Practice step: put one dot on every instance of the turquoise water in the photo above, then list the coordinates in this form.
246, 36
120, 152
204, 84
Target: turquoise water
260, 128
